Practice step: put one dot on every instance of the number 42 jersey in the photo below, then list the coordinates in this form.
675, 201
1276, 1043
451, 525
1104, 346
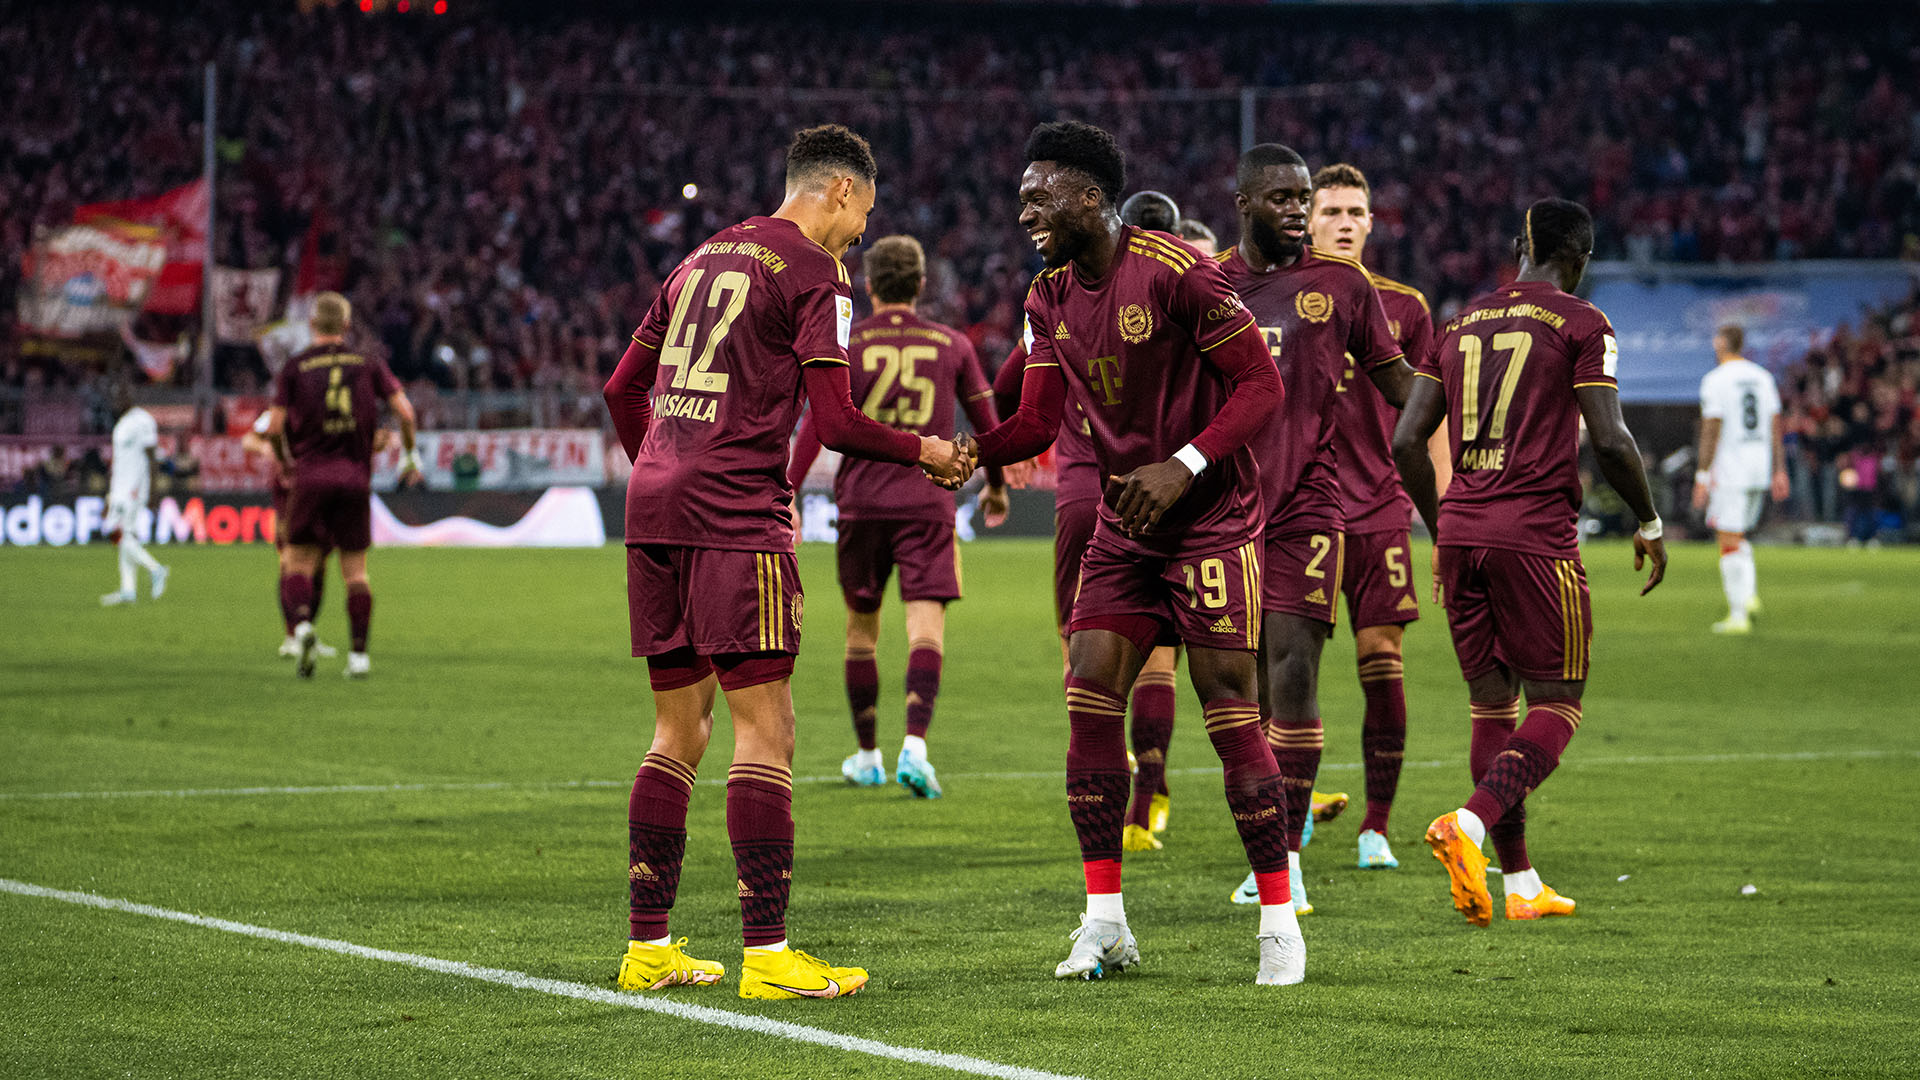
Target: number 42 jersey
735, 323
1510, 364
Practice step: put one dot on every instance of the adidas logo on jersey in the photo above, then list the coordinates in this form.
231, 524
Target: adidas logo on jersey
1060, 332
1317, 596
1223, 625
1408, 603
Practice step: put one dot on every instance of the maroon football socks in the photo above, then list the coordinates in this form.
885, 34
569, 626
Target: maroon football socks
1526, 760
863, 694
760, 824
923, 686
359, 614
296, 597
656, 843
1152, 732
1296, 751
1097, 779
1383, 734
1254, 792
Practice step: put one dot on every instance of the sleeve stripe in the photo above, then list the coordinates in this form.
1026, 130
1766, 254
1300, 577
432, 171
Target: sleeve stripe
1396, 357
825, 360
981, 394
638, 340
1425, 375
1224, 340
1578, 385
1152, 254
1030, 366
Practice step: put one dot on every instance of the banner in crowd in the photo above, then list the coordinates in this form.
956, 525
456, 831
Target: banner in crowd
1666, 323
25, 522
86, 280
242, 302
517, 458
181, 217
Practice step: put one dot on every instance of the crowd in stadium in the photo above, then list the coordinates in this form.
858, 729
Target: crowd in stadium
508, 196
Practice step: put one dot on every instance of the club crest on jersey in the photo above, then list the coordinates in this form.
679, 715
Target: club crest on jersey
1136, 323
1315, 307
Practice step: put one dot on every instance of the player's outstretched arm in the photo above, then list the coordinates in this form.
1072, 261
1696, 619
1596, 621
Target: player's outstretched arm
1035, 423
846, 429
806, 448
1620, 463
1420, 417
629, 394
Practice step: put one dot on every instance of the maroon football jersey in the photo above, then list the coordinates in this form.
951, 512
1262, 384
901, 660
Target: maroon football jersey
1132, 349
1510, 363
1370, 493
735, 323
332, 396
908, 373
1314, 315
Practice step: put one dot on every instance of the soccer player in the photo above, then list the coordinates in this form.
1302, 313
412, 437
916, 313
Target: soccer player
704, 401
135, 437
1153, 210
1201, 237
908, 372
279, 486
1151, 344
1514, 374
1741, 450
1319, 314
326, 406
1378, 581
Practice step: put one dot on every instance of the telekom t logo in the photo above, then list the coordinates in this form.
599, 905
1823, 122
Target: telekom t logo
1107, 370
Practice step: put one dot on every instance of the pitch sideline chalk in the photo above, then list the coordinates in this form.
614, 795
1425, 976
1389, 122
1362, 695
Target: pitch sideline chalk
701, 1014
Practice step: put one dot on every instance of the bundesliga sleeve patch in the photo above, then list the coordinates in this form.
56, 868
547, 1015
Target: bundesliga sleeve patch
1026, 334
843, 309
1610, 359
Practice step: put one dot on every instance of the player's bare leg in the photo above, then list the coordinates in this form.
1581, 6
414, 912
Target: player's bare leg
684, 689
864, 768
1383, 736
1290, 647
1226, 681
1151, 731
1737, 579
760, 825
353, 568
926, 637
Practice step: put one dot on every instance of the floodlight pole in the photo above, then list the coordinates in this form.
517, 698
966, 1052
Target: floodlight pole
203, 380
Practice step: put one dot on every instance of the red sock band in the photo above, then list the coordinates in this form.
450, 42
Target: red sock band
1274, 885
1103, 876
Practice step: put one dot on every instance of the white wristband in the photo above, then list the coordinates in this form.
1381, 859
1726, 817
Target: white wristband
1702, 478
410, 460
1194, 460
1650, 530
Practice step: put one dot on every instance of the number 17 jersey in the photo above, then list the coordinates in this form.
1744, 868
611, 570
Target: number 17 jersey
734, 324
1510, 364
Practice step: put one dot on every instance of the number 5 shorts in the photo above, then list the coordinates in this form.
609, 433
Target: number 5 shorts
1209, 601
713, 601
1375, 560
1529, 613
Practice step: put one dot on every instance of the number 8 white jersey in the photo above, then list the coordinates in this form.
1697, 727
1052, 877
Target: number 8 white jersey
1742, 396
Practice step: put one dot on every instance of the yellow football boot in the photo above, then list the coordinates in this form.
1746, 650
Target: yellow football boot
1157, 811
1327, 805
1538, 907
1135, 838
656, 967
791, 973
1466, 869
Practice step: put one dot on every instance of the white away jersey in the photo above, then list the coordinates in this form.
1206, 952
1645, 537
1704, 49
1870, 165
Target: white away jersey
132, 437
1743, 397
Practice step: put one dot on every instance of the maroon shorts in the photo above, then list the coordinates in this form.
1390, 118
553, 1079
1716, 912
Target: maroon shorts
1529, 613
1378, 579
1209, 601
324, 515
1301, 574
925, 552
1072, 532
712, 601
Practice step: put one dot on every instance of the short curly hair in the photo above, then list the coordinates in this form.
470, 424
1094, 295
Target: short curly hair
1083, 148
1558, 230
896, 268
818, 153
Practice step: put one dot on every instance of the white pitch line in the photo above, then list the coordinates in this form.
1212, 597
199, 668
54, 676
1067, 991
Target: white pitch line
1575, 762
700, 1014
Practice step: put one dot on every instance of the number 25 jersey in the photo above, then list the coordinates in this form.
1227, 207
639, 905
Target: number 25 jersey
1510, 364
735, 323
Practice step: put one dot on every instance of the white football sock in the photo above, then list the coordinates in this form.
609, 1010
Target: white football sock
127, 573
1471, 824
915, 747
1733, 584
1524, 884
1296, 884
1749, 572
1106, 907
668, 940
778, 946
1278, 919
868, 759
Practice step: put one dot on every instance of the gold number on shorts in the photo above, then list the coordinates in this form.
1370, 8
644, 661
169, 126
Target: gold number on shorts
896, 367
729, 293
1397, 567
1322, 547
1213, 578
1517, 343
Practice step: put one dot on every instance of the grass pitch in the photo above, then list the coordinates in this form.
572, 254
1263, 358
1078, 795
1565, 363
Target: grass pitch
1788, 760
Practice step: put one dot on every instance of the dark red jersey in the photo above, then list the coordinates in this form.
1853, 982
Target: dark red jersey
735, 323
1510, 363
908, 373
1132, 348
1370, 493
1314, 314
332, 396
